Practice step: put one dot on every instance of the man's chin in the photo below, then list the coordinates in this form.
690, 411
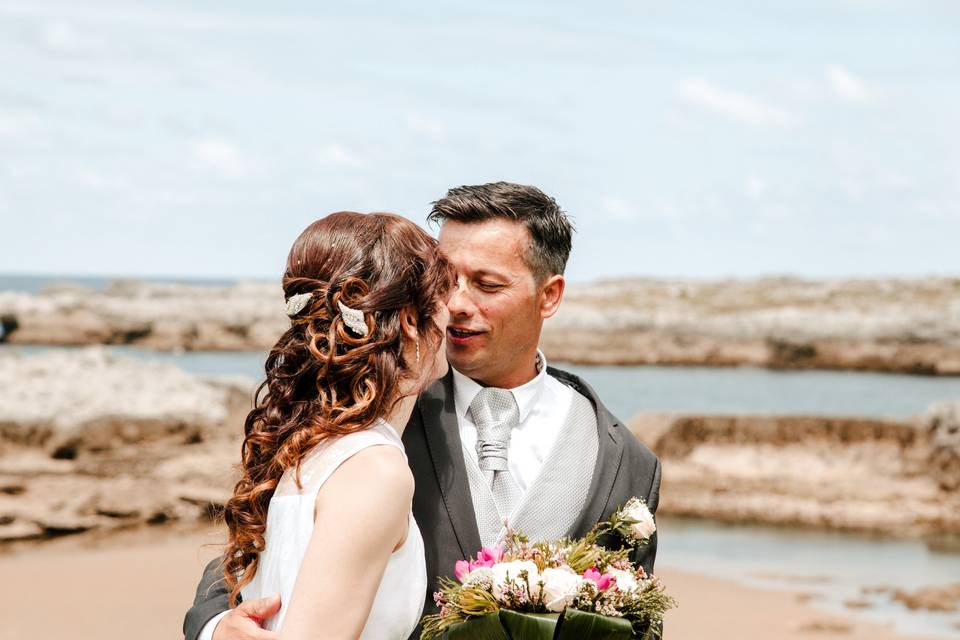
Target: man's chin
464, 362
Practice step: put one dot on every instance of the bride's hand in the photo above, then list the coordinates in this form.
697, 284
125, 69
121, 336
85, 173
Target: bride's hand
244, 622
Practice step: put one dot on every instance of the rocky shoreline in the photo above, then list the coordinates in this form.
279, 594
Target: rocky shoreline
886, 477
167, 317
94, 442
889, 325
894, 325
91, 442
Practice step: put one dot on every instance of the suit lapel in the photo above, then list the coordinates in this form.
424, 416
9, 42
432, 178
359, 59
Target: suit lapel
442, 433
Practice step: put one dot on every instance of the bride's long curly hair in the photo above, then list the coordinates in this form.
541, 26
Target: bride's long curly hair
322, 379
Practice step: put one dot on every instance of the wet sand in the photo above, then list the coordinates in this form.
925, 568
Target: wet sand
138, 584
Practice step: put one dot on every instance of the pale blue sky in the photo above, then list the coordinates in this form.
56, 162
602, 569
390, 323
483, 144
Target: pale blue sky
685, 138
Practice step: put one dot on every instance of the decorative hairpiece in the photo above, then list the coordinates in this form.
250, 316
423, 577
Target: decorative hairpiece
296, 303
353, 318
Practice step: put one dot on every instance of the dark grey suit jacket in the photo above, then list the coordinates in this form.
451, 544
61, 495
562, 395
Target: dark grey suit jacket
442, 505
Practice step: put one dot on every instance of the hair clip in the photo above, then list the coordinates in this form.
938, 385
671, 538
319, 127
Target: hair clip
296, 303
353, 318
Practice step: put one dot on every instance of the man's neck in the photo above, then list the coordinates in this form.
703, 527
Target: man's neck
511, 379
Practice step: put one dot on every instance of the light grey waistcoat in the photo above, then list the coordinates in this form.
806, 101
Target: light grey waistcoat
551, 505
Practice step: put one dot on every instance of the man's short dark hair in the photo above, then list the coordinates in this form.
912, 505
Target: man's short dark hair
550, 229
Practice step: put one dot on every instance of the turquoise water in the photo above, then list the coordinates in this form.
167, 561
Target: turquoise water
627, 390
28, 283
833, 567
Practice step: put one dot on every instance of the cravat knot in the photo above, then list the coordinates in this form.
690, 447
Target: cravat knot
495, 413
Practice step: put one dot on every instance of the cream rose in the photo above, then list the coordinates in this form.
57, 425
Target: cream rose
645, 526
625, 580
560, 587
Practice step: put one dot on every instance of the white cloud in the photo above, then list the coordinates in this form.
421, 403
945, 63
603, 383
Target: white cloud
619, 209
333, 155
63, 37
622, 210
97, 181
220, 156
854, 189
429, 127
846, 86
755, 186
732, 104
17, 124
896, 181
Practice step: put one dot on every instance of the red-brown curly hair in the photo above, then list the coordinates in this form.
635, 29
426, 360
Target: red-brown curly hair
322, 379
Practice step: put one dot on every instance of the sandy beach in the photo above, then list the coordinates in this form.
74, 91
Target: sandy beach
138, 584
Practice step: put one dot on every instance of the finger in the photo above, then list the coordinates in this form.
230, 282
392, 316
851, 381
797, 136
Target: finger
260, 608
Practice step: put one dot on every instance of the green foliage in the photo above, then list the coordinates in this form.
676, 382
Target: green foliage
513, 625
487, 627
584, 554
529, 626
576, 625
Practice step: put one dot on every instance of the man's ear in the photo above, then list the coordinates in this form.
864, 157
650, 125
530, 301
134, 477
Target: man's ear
408, 324
551, 294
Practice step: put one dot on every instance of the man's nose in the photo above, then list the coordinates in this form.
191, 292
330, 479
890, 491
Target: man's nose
460, 303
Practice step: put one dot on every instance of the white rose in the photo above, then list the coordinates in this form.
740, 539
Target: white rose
506, 574
560, 587
625, 580
637, 510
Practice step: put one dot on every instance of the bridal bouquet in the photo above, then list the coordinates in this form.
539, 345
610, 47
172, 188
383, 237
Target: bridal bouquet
561, 590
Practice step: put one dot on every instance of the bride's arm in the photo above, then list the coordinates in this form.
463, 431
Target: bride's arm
362, 515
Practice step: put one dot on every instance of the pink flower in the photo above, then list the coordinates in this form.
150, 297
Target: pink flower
485, 558
603, 582
491, 556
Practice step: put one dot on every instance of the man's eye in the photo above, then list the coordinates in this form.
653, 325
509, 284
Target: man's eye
490, 285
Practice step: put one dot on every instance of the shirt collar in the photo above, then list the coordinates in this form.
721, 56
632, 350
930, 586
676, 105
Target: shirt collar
465, 389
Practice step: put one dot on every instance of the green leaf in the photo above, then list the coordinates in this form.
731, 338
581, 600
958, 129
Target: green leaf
486, 628
511, 625
575, 625
529, 626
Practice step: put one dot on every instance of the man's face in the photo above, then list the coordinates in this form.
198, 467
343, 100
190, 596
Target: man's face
496, 308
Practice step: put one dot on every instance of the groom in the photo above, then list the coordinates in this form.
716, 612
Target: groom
502, 436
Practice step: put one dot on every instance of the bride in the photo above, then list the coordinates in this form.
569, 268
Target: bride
322, 512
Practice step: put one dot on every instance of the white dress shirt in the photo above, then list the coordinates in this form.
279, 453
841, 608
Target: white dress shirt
543, 402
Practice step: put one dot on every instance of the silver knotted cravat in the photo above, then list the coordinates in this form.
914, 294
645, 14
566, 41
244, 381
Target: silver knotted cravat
496, 413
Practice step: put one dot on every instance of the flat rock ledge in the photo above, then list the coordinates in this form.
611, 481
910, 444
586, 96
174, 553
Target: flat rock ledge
893, 478
89, 441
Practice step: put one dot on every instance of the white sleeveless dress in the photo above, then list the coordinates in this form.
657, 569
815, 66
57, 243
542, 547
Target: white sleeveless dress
399, 601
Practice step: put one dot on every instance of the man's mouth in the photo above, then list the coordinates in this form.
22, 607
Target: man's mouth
461, 334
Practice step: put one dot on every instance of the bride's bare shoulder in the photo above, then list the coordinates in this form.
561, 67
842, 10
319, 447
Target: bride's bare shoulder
378, 473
